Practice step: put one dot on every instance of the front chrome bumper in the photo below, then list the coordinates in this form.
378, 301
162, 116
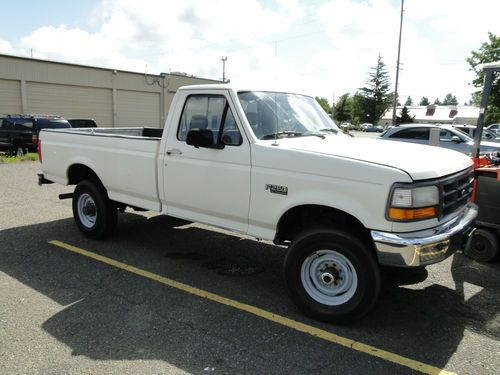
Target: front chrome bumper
429, 246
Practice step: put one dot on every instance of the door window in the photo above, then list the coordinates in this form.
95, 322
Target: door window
23, 125
446, 136
413, 133
7, 124
209, 112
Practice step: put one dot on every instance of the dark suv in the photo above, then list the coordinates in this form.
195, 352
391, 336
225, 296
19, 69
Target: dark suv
19, 133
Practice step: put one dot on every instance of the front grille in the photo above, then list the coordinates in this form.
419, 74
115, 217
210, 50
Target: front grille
456, 192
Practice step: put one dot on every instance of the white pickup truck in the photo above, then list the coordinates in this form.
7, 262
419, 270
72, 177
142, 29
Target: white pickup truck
274, 166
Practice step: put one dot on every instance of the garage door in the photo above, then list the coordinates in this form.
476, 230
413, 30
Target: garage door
136, 108
71, 101
10, 96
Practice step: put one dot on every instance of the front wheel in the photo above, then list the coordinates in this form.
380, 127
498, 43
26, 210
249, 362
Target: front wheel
332, 276
94, 213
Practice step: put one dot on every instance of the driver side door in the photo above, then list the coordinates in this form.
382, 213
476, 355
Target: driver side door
209, 185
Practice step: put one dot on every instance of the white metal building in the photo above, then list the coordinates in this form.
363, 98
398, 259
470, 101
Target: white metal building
113, 98
435, 114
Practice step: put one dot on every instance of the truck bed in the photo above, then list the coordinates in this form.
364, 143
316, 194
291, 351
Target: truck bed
125, 159
116, 132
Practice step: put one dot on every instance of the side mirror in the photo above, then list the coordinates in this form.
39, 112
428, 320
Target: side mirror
202, 138
456, 139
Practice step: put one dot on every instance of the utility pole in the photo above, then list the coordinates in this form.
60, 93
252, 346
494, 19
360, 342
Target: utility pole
223, 59
333, 104
397, 68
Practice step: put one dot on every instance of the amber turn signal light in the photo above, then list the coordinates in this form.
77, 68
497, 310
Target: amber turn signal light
407, 214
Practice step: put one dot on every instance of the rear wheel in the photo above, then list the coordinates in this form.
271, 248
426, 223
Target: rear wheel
483, 245
94, 213
17, 150
20, 151
332, 275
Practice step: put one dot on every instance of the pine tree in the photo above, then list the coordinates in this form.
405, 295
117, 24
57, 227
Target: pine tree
424, 101
376, 93
409, 101
450, 99
405, 117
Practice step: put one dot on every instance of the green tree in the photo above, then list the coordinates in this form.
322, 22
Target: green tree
405, 117
376, 93
409, 101
323, 102
437, 102
342, 112
424, 101
358, 108
450, 99
488, 52
475, 99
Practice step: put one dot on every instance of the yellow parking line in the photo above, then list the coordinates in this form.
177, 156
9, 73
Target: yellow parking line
301, 327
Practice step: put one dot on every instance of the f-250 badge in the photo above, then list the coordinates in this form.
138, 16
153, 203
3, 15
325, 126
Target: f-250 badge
277, 189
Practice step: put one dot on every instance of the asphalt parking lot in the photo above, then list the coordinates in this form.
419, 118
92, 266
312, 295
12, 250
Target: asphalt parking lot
163, 296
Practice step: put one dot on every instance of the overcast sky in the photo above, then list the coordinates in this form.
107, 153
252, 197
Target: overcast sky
323, 48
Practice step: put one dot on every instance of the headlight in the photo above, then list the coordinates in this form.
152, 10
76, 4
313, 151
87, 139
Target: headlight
416, 203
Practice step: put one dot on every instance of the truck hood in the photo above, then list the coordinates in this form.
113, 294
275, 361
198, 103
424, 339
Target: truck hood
419, 161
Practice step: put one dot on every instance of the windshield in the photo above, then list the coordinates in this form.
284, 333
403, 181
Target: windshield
278, 115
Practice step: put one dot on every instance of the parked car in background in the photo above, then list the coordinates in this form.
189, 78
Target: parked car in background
82, 123
19, 133
449, 137
370, 128
494, 128
470, 130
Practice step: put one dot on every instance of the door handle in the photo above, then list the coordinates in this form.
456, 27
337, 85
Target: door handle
174, 152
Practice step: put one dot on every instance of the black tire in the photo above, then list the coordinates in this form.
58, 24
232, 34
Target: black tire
483, 246
355, 259
100, 221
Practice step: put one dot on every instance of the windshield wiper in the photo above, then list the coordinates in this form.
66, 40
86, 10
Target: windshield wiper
314, 134
278, 134
330, 130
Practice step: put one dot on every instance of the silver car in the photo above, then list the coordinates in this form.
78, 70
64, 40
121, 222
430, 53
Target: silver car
449, 137
495, 128
470, 130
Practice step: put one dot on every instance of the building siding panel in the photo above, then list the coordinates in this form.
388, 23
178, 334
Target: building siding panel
71, 101
10, 96
135, 108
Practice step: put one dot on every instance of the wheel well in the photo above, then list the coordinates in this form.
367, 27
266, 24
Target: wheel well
80, 172
300, 218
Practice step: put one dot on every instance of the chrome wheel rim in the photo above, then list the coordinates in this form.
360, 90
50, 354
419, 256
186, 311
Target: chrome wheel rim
329, 277
87, 211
